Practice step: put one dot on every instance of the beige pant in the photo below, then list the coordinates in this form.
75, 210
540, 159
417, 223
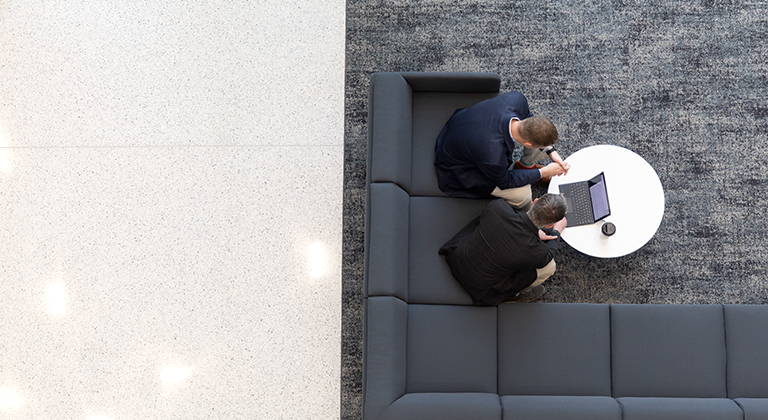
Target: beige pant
520, 197
542, 274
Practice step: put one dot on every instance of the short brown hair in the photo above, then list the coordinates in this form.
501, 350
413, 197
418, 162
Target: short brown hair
548, 209
539, 131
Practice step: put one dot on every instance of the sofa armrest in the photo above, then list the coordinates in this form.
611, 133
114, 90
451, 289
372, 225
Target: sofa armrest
386, 242
456, 82
384, 353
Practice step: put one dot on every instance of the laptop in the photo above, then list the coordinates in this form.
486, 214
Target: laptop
587, 201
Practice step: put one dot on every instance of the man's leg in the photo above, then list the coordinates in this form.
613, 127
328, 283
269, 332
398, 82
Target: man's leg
542, 274
519, 198
531, 156
535, 290
529, 159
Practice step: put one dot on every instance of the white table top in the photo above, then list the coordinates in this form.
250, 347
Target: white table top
635, 195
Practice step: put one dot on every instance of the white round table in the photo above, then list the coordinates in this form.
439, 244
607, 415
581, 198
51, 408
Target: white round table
635, 195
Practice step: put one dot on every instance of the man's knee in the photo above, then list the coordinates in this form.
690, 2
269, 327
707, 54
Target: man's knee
531, 156
542, 274
519, 198
547, 271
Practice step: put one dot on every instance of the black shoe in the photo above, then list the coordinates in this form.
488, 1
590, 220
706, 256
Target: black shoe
529, 296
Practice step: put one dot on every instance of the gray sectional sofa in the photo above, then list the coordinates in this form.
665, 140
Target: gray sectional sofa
430, 354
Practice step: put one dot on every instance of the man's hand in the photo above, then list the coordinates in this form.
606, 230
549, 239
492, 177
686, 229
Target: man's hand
560, 225
553, 169
544, 237
563, 164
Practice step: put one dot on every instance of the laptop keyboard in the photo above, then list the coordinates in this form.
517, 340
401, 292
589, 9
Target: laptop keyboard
580, 205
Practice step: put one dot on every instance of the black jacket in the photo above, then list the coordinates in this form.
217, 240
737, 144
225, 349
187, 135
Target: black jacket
497, 254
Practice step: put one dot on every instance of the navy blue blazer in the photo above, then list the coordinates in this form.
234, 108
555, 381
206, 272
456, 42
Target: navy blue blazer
473, 151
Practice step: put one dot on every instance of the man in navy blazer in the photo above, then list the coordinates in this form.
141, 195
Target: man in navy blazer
474, 151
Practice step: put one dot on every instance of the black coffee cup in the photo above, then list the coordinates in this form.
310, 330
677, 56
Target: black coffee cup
608, 229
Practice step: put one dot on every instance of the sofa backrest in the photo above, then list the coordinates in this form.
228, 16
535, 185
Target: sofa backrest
389, 130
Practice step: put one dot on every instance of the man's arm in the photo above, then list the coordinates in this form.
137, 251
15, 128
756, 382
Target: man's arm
552, 244
557, 159
495, 166
553, 233
553, 169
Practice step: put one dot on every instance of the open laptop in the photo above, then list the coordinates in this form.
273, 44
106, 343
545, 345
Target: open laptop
587, 201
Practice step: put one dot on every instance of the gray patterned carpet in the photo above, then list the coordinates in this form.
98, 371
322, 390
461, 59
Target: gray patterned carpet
682, 83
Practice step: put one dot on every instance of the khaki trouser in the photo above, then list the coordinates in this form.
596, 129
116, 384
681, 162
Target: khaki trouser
542, 274
520, 198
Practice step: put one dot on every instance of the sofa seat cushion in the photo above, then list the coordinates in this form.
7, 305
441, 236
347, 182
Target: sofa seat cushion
680, 409
754, 408
439, 406
433, 221
451, 349
554, 349
534, 407
668, 351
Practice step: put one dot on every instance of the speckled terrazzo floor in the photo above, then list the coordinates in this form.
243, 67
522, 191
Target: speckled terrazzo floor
170, 230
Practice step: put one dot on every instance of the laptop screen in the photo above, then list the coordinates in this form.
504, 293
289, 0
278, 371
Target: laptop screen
599, 196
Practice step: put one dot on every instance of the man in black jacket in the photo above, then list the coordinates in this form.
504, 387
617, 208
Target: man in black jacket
505, 254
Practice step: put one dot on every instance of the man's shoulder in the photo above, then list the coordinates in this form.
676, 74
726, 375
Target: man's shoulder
514, 98
500, 208
514, 94
505, 214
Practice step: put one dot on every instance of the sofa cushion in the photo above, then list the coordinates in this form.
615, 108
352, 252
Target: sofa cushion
534, 407
433, 221
754, 408
431, 110
384, 360
454, 406
554, 349
668, 351
451, 349
746, 337
387, 241
680, 409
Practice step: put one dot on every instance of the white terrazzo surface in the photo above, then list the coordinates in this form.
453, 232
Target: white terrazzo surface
171, 202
